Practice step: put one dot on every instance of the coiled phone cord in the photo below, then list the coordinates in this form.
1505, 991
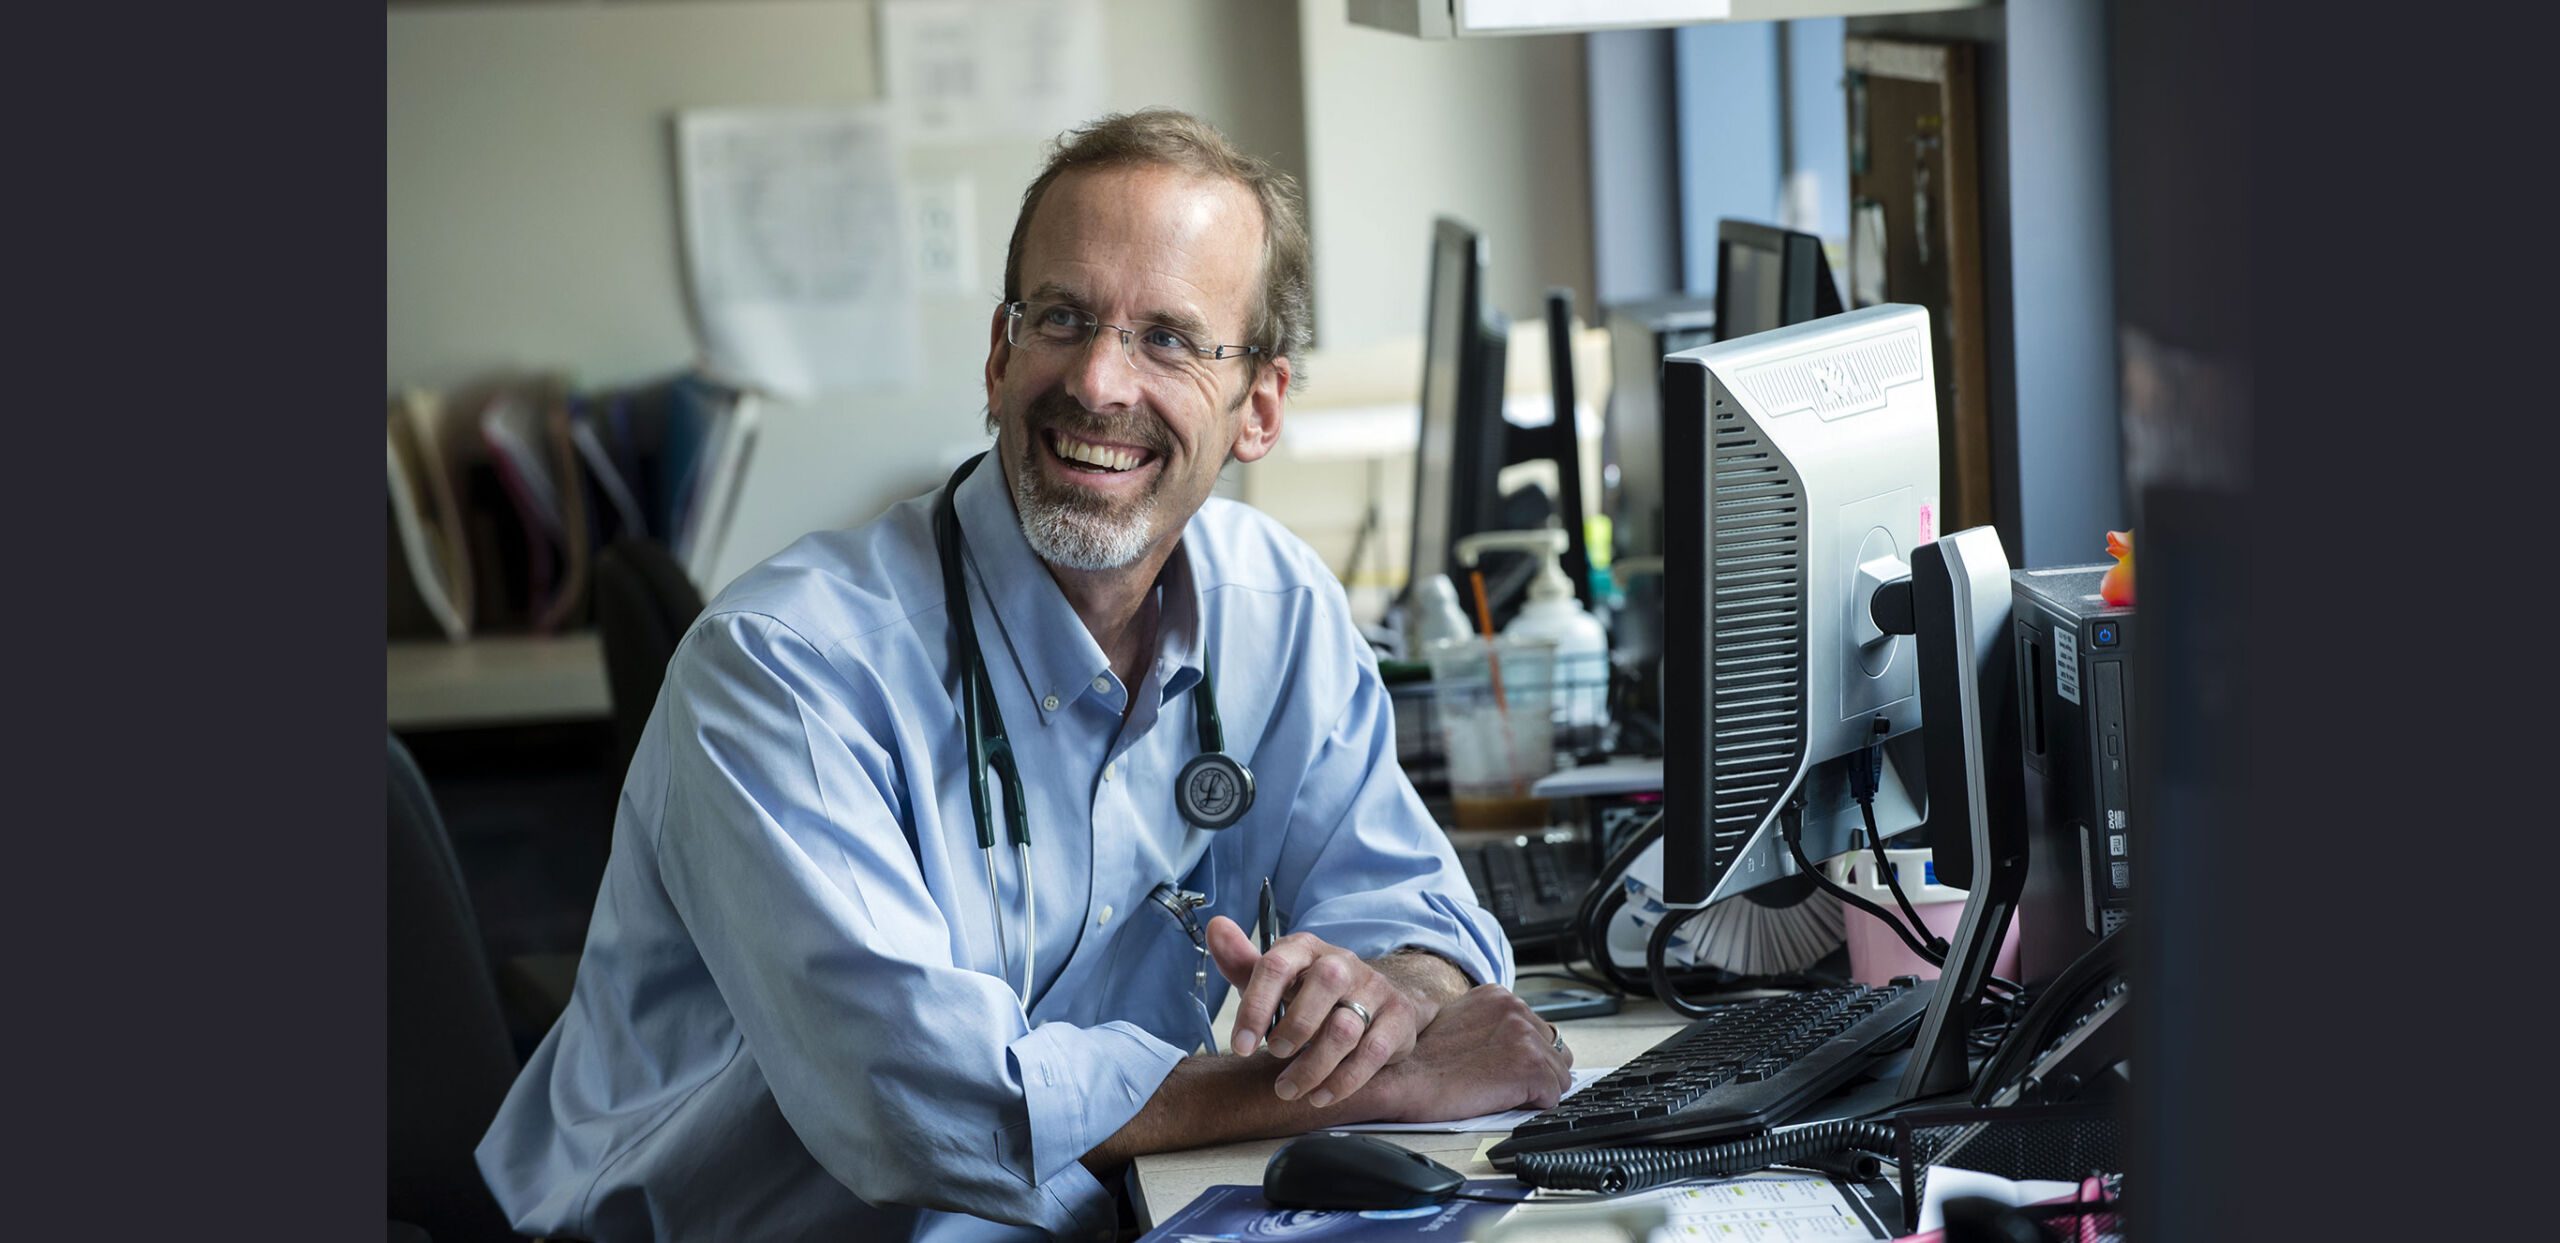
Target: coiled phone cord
1636, 1168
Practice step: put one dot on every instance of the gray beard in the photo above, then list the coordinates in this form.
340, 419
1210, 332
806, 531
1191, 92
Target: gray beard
1065, 532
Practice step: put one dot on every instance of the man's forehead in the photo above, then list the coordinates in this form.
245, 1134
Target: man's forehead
1155, 233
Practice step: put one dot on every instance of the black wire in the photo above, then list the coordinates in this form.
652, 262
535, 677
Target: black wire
1893, 878
1601, 902
1657, 968
1863, 781
1792, 829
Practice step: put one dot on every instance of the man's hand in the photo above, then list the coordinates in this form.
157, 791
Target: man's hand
1486, 1052
1332, 1053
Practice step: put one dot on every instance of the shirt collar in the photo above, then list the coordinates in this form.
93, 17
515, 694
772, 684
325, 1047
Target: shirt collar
1037, 630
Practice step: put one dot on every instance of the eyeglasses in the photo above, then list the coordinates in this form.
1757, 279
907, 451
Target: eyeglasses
1152, 348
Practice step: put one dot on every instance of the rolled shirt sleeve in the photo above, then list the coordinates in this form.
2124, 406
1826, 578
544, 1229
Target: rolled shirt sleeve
1370, 869
911, 1078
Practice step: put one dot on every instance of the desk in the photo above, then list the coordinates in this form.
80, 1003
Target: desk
499, 679
1167, 1181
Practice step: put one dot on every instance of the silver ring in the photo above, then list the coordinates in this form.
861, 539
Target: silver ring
1356, 1008
1556, 1041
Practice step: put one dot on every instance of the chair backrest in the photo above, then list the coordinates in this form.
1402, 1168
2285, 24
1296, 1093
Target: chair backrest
644, 603
450, 1060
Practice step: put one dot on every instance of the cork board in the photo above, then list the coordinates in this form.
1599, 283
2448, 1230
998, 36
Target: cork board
1915, 234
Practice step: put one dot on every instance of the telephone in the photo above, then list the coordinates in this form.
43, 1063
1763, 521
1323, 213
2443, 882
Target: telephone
2071, 1036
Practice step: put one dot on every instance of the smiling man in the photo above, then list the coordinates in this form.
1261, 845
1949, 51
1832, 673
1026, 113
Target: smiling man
828, 990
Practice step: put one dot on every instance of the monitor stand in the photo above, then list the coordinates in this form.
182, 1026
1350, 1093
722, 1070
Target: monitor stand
1961, 597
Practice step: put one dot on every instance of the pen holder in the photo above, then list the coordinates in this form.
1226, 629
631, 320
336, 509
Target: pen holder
1497, 728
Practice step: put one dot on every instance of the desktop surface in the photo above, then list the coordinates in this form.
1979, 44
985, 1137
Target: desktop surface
1166, 1181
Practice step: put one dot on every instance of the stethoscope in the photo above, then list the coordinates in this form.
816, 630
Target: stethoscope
1212, 791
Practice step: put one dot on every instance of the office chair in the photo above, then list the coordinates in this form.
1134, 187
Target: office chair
450, 1060
644, 602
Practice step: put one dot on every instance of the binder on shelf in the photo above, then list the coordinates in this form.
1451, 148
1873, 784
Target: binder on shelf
615, 509
527, 433
502, 495
430, 582
714, 495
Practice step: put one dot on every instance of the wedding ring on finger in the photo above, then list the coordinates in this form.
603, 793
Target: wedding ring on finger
1555, 1039
1356, 1008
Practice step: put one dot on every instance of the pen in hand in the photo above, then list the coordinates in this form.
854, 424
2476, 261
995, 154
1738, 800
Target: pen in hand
1266, 929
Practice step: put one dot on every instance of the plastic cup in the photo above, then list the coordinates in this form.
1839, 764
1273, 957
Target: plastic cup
1496, 721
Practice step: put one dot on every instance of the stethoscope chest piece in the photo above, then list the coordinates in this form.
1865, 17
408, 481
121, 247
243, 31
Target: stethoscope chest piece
1213, 791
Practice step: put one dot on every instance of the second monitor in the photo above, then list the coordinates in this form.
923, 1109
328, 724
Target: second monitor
1768, 277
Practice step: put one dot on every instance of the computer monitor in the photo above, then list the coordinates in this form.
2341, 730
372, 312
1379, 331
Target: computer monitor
1561, 442
1640, 334
1768, 277
1464, 438
1814, 452
1813, 455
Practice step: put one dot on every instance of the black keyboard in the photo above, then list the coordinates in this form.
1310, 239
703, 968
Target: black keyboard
1533, 887
1746, 1067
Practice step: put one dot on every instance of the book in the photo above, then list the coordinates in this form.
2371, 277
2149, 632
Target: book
1230, 1213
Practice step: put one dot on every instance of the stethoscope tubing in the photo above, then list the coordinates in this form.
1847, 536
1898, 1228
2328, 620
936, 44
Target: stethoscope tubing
1230, 785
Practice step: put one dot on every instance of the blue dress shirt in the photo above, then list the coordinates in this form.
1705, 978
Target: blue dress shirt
792, 1018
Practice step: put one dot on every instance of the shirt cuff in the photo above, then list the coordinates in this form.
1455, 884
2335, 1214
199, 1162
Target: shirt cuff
1466, 936
1080, 1085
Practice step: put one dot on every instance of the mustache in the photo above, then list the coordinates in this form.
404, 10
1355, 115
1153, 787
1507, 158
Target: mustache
1055, 409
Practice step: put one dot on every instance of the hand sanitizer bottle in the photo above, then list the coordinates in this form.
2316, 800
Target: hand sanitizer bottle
1552, 613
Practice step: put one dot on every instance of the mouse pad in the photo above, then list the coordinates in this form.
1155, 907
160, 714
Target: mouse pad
1232, 1214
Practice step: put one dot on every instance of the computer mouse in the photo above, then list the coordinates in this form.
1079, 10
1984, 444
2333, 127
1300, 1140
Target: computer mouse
1354, 1172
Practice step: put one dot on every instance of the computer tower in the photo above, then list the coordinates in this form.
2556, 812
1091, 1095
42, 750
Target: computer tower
2075, 656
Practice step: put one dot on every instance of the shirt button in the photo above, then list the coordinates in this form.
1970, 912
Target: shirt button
1050, 704
1105, 916
1111, 770
1103, 684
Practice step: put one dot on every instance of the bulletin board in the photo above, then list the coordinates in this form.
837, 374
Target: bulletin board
1915, 234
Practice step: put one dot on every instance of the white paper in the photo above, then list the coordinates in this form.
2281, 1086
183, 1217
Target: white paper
1947, 1182
1504, 1121
964, 71
795, 243
1774, 1206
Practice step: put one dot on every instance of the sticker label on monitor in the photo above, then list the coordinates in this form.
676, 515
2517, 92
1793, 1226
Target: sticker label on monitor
2066, 663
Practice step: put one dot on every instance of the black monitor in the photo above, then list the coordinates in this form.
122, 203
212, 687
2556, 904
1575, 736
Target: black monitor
1768, 277
1464, 439
1561, 442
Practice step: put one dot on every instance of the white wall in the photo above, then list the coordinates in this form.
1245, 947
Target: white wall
532, 216
533, 224
1401, 129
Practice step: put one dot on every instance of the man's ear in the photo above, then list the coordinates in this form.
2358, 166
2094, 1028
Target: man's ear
999, 353
1262, 403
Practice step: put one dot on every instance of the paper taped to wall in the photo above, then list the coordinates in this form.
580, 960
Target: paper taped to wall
794, 242
964, 71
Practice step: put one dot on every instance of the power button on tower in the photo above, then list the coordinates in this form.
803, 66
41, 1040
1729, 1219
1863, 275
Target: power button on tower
2102, 634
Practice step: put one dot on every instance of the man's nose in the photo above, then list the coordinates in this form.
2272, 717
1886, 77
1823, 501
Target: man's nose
1103, 376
